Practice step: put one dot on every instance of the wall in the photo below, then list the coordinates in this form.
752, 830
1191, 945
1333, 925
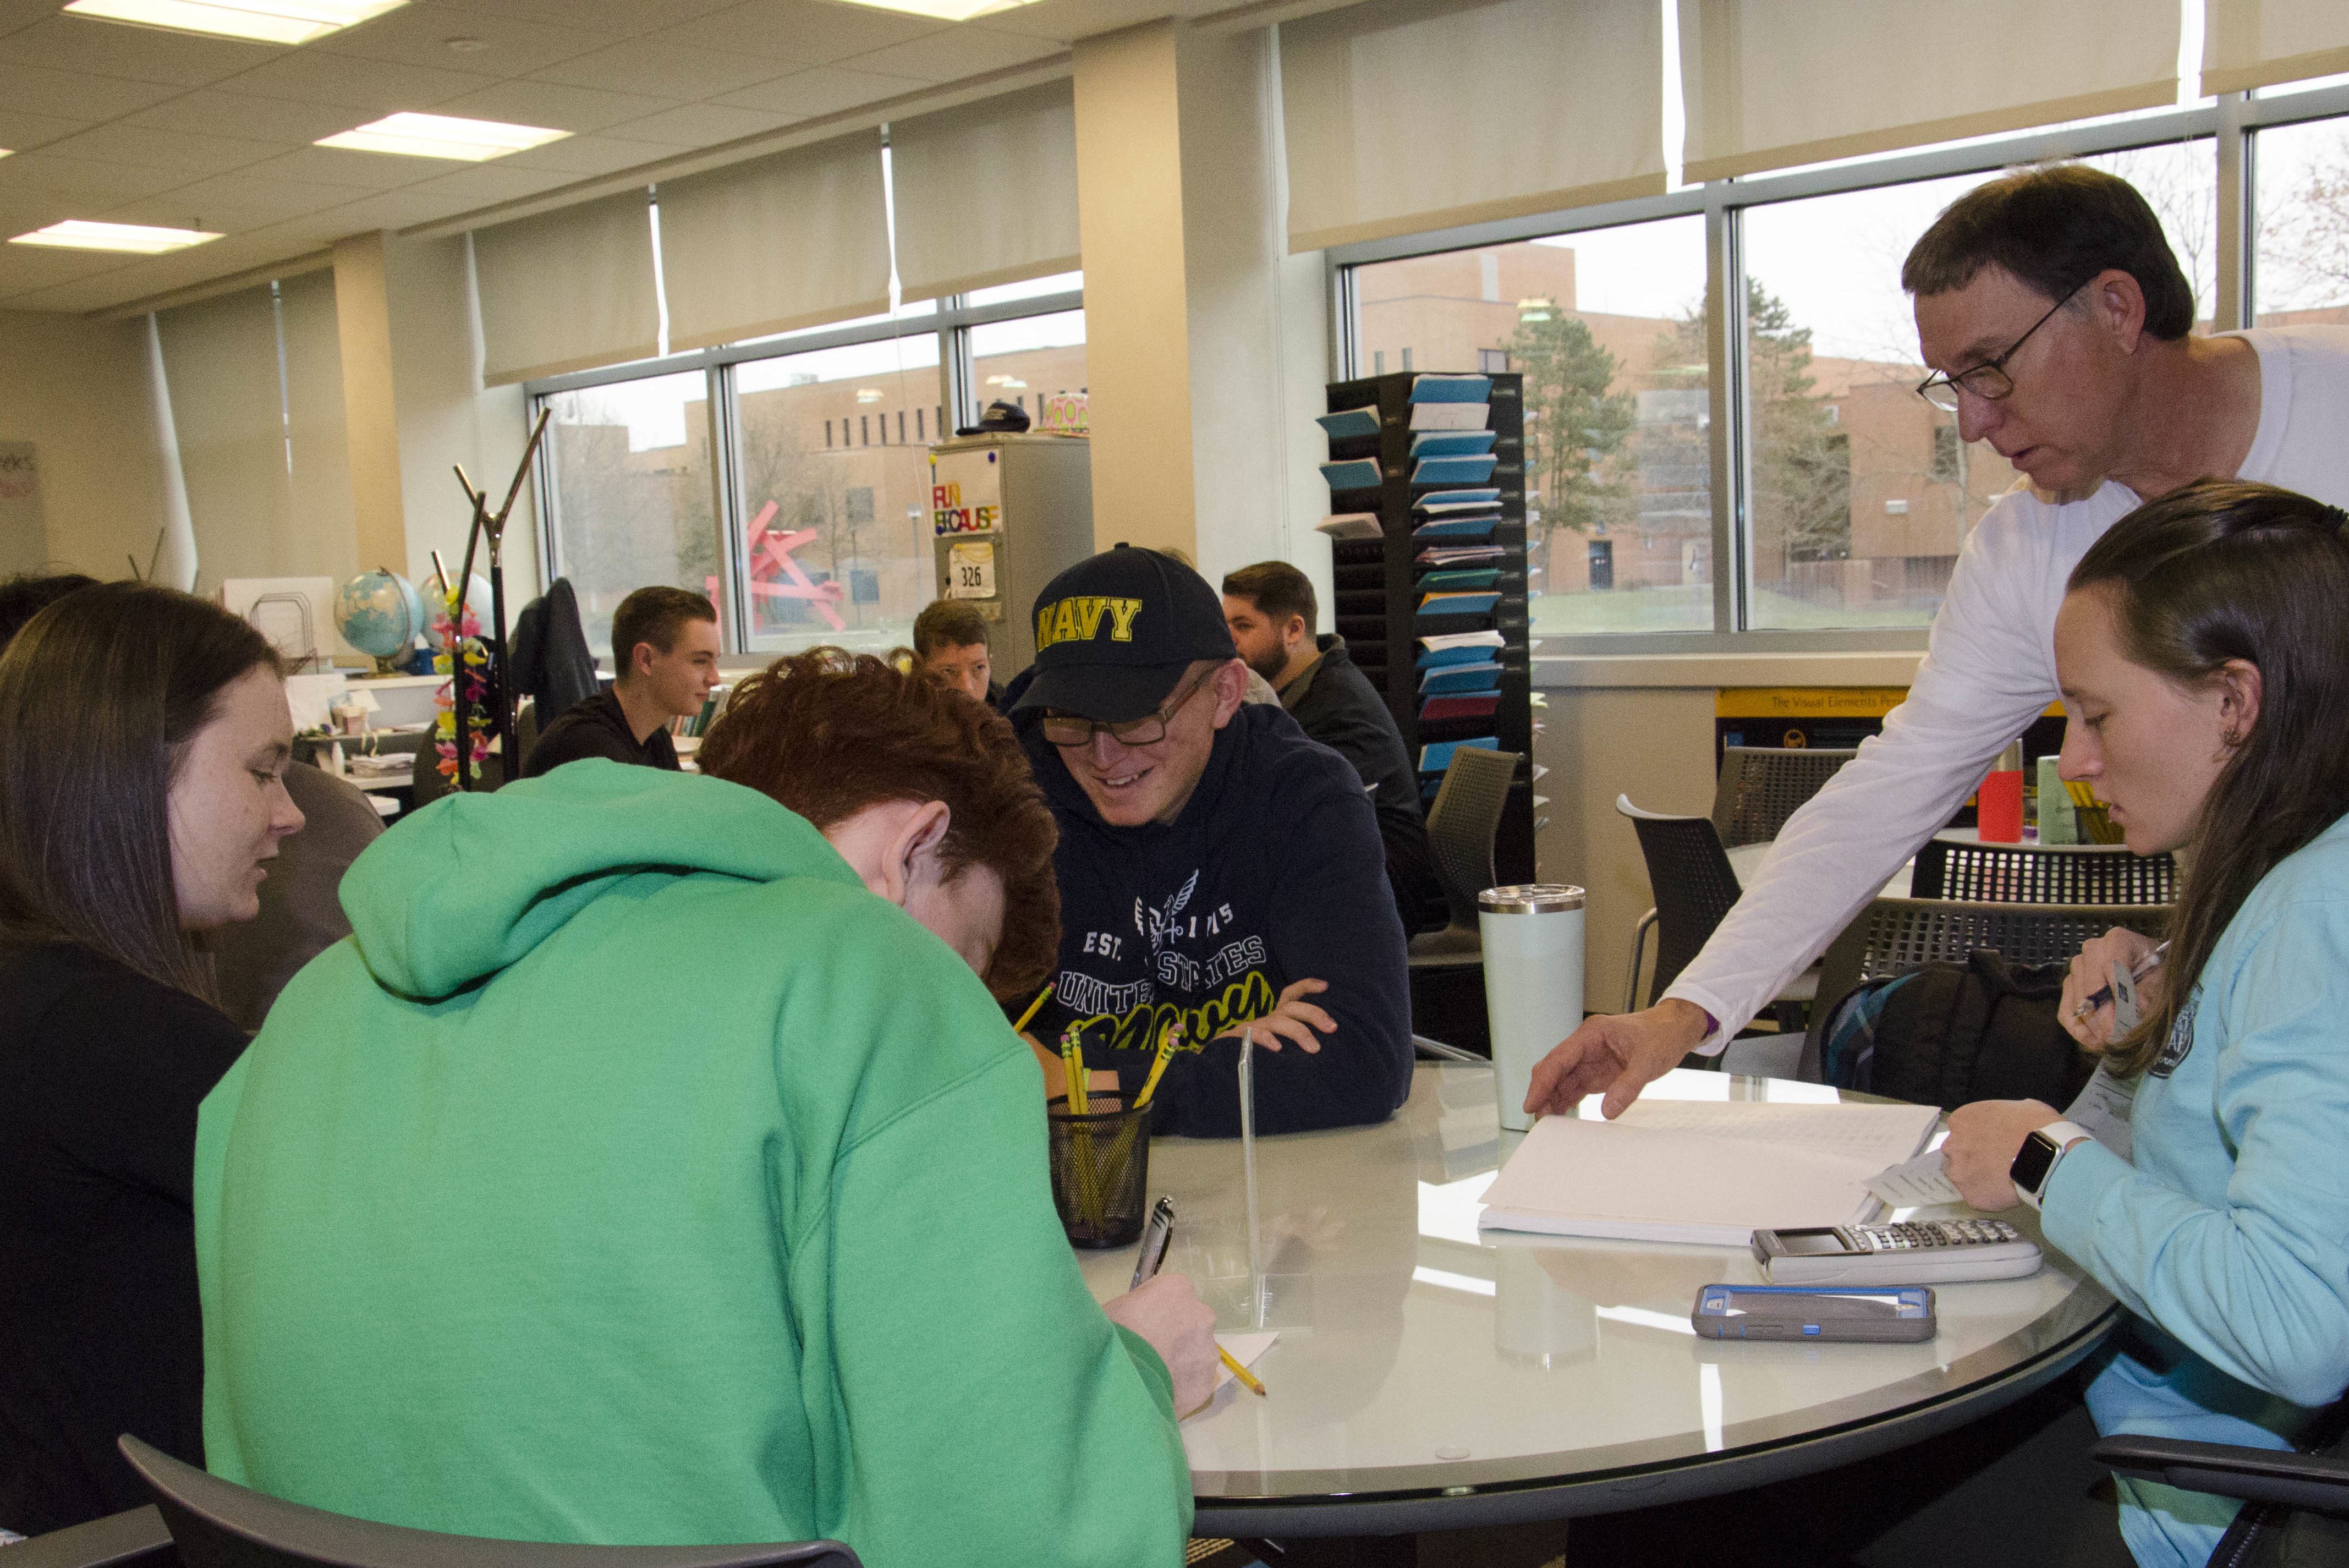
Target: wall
77, 390
1643, 727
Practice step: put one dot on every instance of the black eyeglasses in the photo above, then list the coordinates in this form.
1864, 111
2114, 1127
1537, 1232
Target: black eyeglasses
1989, 379
1072, 734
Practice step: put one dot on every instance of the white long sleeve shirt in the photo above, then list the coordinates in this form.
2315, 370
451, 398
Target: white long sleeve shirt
1988, 671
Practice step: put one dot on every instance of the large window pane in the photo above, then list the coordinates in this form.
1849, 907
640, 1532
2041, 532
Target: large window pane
1030, 359
633, 503
2300, 275
1029, 288
1608, 328
1862, 493
834, 478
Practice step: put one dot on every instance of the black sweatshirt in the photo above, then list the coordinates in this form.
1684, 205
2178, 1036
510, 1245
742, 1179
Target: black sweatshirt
1273, 873
1338, 706
101, 1071
598, 727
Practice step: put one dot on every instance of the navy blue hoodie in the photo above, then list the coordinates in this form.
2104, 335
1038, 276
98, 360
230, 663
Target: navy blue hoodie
1273, 873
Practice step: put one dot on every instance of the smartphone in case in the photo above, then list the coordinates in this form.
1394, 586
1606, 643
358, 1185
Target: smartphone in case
1899, 1313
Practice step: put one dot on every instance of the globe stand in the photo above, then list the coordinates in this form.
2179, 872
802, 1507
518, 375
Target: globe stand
500, 687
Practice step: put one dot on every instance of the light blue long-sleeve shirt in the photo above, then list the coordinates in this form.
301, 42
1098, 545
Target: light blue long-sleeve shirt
2230, 1232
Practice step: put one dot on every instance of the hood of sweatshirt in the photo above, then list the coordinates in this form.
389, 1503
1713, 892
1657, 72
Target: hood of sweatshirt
472, 883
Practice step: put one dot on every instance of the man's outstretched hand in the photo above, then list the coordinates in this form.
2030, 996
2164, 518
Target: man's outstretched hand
1619, 1053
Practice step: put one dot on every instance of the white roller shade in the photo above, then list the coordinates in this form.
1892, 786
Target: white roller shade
986, 194
1773, 83
1408, 115
219, 357
2250, 44
567, 290
794, 240
325, 538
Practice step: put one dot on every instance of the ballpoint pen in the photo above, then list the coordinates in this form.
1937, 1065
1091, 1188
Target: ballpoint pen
2142, 967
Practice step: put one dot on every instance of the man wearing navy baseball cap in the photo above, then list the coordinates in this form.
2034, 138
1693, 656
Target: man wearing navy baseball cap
1215, 867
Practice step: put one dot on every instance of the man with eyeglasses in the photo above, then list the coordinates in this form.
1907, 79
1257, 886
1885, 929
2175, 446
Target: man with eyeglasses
1218, 869
2058, 327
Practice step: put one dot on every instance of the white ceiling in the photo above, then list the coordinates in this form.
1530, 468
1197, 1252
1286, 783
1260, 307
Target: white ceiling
138, 126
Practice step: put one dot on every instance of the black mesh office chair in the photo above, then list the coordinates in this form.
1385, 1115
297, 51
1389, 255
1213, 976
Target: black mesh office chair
1761, 786
1893, 936
219, 1524
1461, 828
1690, 876
2027, 874
2295, 1506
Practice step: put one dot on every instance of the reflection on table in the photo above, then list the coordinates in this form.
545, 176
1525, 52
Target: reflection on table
1420, 1362
1746, 861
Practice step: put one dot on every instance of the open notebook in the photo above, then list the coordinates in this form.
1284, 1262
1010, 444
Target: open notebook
1710, 1171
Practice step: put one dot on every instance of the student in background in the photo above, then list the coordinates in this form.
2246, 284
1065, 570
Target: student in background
664, 649
1272, 612
141, 802
1214, 865
950, 645
24, 596
2205, 668
692, 1244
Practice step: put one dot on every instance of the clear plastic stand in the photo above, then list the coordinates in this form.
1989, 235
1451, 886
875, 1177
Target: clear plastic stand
1256, 1284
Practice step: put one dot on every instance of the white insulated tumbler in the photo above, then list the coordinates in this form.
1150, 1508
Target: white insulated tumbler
1532, 935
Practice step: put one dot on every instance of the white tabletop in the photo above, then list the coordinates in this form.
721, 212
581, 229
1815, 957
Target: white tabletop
1746, 861
1427, 1375
1973, 835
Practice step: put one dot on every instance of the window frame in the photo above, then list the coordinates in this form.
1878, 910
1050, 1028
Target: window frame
2230, 122
951, 322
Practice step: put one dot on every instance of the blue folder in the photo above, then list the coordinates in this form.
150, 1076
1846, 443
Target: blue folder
1457, 530
1453, 443
1435, 658
1458, 603
1489, 496
1450, 389
1452, 470
1360, 474
1350, 422
1460, 677
1459, 580
1436, 757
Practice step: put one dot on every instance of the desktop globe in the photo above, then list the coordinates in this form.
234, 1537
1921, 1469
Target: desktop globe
379, 613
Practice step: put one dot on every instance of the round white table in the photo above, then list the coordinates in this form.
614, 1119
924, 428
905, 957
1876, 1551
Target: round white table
1428, 1377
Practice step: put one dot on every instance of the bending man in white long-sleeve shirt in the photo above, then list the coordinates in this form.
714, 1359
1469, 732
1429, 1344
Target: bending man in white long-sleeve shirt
2058, 324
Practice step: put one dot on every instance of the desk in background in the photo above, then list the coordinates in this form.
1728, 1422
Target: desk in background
1428, 1377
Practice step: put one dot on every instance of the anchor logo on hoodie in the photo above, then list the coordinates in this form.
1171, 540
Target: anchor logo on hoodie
1164, 920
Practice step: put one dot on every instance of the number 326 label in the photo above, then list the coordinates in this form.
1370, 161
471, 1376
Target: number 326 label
970, 570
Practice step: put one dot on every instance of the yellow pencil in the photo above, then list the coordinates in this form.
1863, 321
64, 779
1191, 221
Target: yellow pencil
1072, 1058
1242, 1373
1033, 1008
1168, 1043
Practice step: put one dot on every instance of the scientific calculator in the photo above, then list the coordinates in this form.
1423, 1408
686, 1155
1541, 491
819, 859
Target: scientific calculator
1915, 1253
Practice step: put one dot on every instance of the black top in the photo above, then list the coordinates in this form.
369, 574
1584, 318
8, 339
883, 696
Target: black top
598, 727
1270, 875
1336, 704
101, 1070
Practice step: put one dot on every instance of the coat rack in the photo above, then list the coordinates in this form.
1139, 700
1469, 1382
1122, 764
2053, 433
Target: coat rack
494, 527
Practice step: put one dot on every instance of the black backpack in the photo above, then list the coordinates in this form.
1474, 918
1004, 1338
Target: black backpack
1950, 1033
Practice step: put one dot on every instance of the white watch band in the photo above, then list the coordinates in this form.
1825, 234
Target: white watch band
2064, 1135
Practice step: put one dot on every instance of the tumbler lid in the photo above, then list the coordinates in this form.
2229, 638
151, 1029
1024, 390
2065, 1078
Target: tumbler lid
1530, 898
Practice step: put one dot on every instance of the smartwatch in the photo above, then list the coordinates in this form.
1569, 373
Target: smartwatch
2035, 1165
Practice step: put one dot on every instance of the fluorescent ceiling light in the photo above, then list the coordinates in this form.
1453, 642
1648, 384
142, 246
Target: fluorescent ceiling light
443, 136
263, 21
946, 10
135, 239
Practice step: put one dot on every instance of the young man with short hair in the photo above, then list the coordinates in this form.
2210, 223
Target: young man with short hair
1215, 868
1272, 611
950, 645
664, 649
527, 1216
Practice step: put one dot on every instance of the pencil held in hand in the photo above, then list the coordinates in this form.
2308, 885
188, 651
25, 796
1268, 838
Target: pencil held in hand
1248, 1378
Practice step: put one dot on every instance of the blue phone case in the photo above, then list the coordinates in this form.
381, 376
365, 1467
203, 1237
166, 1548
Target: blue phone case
1877, 1313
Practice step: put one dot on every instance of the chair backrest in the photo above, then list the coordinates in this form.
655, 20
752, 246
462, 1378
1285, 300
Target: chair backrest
1761, 786
1463, 822
2027, 874
1690, 877
219, 1524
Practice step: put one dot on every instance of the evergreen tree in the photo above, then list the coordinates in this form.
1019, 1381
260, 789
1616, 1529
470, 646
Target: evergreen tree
1576, 429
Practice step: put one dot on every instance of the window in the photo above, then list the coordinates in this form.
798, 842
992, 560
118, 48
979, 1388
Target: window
2300, 276
1029, 360
630, 492
1492, 362
1608, 328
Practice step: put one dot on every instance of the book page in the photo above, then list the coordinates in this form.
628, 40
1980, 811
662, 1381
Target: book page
1873, 1136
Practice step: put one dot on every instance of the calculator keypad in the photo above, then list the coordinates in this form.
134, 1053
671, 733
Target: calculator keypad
1914, 1235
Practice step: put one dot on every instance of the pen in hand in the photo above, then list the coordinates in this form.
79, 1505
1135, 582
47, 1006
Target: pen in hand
1155, 1242
2138, 970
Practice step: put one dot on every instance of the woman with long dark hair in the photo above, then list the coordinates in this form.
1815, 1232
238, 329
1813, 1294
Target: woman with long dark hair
143, 741
2203, 652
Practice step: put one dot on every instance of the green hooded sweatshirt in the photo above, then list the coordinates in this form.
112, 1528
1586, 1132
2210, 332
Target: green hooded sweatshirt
632, 1174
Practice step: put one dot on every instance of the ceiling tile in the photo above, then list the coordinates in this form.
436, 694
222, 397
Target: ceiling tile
364, 88
16, 14
343, 166
392, 210
21, 132
628, 18
236, 203
418, 35
238, 114
491, 183
157, 148
85, 180
24, 269
827, 90
810, 31
962, 52
702, 125
553, 104
671, 70
142, 54
22, 212
580, 155
74, 94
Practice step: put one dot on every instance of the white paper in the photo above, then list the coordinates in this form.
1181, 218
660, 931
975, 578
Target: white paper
1915, 1183
1875, 1134
1349, 526
970, 569
1449, 416
2103, 1107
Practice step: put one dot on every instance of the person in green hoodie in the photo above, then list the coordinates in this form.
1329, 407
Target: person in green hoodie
651, 1166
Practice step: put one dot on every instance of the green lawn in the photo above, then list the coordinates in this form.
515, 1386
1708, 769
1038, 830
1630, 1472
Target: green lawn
1689, 608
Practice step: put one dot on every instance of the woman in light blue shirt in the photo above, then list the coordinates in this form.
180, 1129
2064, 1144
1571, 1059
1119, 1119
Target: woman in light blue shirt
2203, 650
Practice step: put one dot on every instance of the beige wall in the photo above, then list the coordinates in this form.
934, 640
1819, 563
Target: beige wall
77, 390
